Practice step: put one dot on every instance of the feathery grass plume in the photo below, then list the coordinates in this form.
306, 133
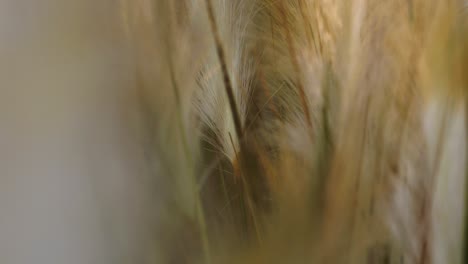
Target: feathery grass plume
273, 131
223, 98
298, 46
226, 103
288, 34
321, 132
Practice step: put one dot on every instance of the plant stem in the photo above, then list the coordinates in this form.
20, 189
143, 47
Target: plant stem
226, 78
200, 216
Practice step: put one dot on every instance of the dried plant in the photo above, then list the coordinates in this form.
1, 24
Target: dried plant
294, 131
326, 131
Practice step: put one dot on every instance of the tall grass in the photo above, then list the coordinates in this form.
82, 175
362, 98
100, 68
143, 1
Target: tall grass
303, 131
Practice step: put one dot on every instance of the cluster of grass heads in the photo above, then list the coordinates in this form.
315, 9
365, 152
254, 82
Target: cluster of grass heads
304, 131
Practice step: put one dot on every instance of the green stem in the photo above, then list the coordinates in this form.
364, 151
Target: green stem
465, 251
200, 216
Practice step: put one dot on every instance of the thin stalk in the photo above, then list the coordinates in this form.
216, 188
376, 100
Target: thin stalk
248, 195
226, 194
200, 215
226, 78
465, 251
